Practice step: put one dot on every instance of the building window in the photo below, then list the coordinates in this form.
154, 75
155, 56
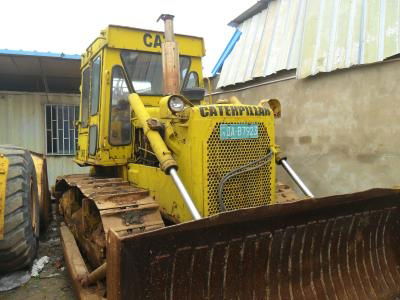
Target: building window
61, 134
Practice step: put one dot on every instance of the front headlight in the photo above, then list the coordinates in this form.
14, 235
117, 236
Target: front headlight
176, 104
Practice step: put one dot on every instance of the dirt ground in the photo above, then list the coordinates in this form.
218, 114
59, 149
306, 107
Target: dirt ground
53, 282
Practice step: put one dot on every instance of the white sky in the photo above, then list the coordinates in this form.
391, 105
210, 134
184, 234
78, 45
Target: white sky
70, 26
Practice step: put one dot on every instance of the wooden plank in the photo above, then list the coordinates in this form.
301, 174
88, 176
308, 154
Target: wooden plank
113, 266
76, 266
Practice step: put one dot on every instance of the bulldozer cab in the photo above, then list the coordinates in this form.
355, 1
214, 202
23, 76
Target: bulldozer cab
121, 61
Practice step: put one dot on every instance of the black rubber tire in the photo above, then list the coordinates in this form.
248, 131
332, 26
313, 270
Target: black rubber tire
20, 243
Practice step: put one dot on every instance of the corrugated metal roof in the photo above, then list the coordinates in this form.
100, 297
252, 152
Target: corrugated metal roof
313, 36
38, 71
270, 42
248, 13
41, 54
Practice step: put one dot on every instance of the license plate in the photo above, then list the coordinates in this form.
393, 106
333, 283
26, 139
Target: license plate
238, 131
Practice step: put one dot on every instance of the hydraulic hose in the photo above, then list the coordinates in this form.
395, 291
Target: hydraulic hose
242, 169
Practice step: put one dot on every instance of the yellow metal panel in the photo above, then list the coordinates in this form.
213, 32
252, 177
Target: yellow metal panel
3, 188
106, 154
202, 159
141, 40
162, 189
94, 48
150, 41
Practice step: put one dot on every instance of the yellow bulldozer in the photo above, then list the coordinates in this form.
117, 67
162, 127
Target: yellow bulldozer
182, 202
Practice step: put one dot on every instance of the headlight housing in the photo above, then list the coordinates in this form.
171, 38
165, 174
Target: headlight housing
176, 104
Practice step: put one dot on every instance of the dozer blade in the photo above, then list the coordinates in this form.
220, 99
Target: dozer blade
340, 247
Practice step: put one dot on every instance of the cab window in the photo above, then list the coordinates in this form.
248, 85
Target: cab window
120, 119
85, 97
144, 70
193, 80
95, 86
184, 67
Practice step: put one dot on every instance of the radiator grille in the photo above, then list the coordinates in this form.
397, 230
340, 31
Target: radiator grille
245, 190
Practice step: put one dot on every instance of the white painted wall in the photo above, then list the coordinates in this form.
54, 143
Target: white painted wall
22, 123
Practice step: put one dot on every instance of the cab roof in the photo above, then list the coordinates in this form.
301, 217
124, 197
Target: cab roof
130, 38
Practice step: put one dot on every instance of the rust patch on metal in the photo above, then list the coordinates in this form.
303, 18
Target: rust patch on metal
341, 247
285, 194
93, 206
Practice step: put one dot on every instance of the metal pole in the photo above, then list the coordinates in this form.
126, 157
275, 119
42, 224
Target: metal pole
184, 194
168, 27
95, 275
296, 178
170, 58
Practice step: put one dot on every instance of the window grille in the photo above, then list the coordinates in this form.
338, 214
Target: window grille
61, 134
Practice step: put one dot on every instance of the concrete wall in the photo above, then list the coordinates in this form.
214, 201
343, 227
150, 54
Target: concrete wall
22, 123
340, 130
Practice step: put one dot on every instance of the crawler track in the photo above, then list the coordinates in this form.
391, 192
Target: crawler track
92, 206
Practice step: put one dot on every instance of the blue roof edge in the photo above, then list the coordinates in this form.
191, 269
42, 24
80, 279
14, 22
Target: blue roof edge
228, 49
41, 54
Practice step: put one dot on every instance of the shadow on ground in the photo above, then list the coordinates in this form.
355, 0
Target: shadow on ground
53, 282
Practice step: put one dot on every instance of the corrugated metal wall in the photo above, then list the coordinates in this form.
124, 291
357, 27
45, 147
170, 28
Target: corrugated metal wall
22, 123
270, 42
341, 33
313, 36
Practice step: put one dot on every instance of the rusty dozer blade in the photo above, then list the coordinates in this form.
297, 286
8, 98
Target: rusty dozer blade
340, 247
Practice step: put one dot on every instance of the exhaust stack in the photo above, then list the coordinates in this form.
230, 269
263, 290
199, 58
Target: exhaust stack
170, 57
